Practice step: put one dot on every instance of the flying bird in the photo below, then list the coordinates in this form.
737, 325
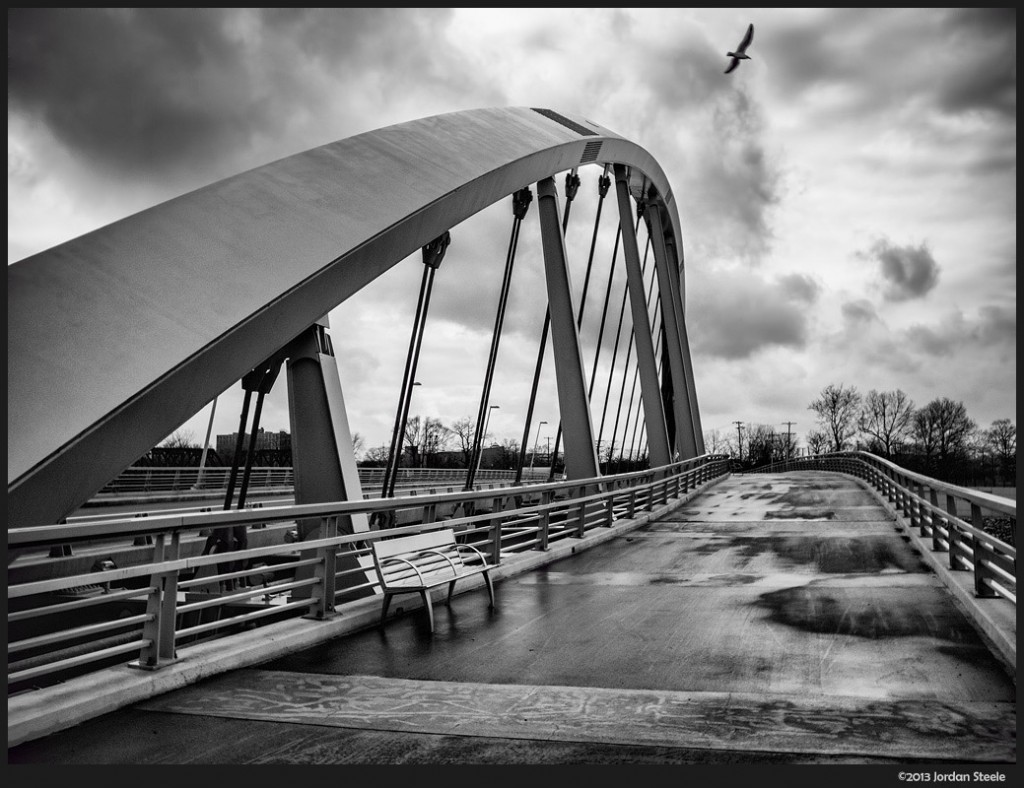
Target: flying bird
741, 50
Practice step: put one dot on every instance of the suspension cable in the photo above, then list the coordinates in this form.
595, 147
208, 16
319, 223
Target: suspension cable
433, 253
636, 371
615, 353
520, 204
603, 185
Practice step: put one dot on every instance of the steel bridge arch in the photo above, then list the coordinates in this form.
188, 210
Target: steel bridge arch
120, 335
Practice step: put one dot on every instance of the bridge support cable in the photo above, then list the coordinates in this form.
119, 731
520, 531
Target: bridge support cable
650, 392
684, 441
258, 380
615, 348
433, 254
520, 205
580, 454
625, 369
640, 424
206, 447
603, 184
572, 183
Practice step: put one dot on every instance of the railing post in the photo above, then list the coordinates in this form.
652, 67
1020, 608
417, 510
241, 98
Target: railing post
161, 606
496, 540
544, 522
980, 548
325, 571
954, 533
936, 519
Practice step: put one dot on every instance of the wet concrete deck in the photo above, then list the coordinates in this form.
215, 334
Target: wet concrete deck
774, 619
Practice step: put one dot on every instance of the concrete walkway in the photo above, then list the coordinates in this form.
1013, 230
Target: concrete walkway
777, 618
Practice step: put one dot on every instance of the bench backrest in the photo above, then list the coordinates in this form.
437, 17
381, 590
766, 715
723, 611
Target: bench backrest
428, 540
442, 563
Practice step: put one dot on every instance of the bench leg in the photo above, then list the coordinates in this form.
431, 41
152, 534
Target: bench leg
490, 587
384, 611
451, 588
430, 608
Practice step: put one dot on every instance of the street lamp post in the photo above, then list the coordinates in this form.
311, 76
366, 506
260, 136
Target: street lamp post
483, 437
535, 442
549, 451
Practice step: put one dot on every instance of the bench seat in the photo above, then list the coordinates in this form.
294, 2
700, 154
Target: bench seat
420, 562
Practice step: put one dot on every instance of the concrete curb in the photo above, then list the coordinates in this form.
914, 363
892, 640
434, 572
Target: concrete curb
38, 713
995, 619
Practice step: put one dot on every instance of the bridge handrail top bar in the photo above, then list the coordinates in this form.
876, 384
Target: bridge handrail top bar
996, 503
63, 533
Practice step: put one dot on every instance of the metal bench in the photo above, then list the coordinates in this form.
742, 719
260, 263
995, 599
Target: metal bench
417, 563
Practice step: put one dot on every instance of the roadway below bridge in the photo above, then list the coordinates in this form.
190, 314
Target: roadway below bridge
773, 619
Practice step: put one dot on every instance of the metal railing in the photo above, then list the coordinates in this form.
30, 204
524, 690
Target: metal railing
951, 517
148, 480
176, 595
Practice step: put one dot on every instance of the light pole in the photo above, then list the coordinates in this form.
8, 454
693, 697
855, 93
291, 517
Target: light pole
483, 437
535, 442
549, 451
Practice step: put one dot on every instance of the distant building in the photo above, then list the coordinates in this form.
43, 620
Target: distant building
265, 441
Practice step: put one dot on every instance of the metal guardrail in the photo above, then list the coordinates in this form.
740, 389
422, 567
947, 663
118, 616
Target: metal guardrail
71, 625
139, 479
952, 517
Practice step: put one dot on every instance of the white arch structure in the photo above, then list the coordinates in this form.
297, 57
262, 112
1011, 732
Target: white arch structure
117, 337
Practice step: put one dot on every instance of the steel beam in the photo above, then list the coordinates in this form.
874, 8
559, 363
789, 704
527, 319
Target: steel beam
654, 413
671, 315
574, 407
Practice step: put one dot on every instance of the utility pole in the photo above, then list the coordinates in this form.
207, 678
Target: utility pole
739, 439
789, 443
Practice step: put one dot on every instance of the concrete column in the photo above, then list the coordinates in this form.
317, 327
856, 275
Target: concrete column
323, 457
671, 313
574, 407
654, 413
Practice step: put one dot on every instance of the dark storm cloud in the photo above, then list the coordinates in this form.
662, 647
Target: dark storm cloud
736, 317
907, 271
986, 76
995, 327
858, 312
853, 51
800, 287
145, 90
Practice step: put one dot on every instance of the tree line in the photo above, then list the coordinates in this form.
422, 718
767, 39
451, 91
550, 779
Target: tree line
938, 439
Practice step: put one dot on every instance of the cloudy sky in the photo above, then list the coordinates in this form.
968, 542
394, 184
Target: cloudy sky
847, 197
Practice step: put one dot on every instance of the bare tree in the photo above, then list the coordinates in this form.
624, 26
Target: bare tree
762, 444
887, 416
425, 436
357, 443
1001, 440
464, 430
377, 456
943, 428
817, 442
180, 439
837, 410
715, 442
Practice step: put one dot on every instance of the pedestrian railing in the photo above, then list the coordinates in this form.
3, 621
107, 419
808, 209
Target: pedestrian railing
953, 519
141, 480
174, 594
